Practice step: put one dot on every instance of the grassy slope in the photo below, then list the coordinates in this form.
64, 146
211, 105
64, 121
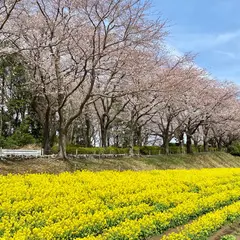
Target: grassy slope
203, 160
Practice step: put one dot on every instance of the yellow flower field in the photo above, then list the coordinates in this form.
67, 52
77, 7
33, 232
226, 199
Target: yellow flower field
118, 205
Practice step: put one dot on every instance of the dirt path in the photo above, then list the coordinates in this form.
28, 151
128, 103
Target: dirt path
169, 231
231, 229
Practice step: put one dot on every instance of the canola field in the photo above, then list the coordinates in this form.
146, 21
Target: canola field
118, 205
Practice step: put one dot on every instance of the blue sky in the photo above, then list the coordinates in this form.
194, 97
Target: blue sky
210, 28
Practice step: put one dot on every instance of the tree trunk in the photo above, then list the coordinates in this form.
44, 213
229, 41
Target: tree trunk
88, 128
70, 137
62, 138
103, 136
62, 144
131, 142
181, 142
46, 140
166, 147
165, 144
189, 144
205, 145
195, 144
139, 136
145, 141
205, 139
46, 134
1, 121
52, 137
116, 141
219, 144
2, 104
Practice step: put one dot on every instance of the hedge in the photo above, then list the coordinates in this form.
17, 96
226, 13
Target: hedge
144, 150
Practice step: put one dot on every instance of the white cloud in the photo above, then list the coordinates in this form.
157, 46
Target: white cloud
197, 42
227, 54
227, 37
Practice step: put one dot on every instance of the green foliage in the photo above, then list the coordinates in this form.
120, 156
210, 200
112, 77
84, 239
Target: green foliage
19, 138
2, 141
155, 150
73, 149
147, 150
228, 237
173, 149
16, 95
144, 150
22, 136
214, 149
234, 149
8, 143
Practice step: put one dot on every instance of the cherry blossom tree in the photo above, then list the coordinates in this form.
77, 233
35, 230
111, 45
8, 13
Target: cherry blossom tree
6, 9
177, 76
99, 66
67, 45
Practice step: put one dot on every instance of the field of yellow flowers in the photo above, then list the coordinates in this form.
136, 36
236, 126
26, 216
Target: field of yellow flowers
118, 205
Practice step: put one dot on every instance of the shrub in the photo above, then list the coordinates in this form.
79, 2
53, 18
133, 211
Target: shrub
234, 148
2, 141
228, 237
18, 139
73, 149
173, 149
150, 150
144, 150
10, 143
